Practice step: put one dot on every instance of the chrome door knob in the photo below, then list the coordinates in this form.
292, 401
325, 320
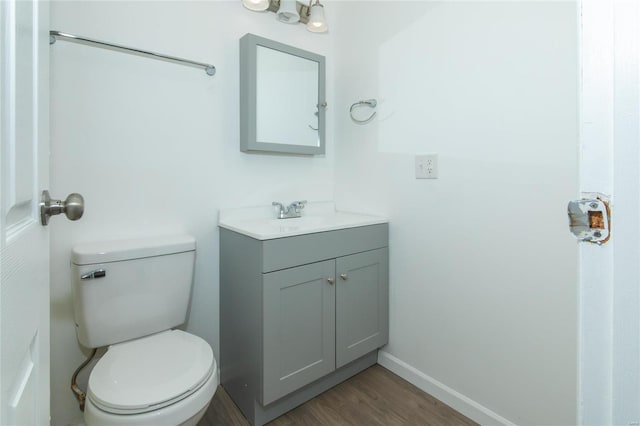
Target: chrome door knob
72, 207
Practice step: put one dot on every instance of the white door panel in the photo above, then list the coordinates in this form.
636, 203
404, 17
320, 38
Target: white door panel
24, 243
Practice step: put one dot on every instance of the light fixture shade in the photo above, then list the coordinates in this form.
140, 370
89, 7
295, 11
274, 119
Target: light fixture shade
288, 13
317, 23
256, 5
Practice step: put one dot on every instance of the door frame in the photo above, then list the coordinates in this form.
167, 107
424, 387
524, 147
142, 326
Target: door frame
609, 333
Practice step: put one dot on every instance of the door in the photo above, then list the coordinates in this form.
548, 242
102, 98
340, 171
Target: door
362, 304
24, 243
299, 327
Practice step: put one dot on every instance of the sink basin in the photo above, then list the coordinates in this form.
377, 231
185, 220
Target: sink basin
318, 219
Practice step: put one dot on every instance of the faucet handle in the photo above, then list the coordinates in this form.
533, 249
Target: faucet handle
298, 205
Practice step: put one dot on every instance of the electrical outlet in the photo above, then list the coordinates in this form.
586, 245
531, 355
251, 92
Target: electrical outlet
427, 166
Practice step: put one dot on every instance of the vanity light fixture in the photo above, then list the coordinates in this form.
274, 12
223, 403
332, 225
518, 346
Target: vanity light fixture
288, 12
293, 11
317, 23
256, 5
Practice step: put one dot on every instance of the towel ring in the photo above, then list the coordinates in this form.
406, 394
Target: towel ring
372, 103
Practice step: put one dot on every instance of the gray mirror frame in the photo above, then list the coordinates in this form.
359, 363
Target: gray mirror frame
248, 92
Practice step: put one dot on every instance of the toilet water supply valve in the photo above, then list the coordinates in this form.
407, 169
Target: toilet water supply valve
81, 395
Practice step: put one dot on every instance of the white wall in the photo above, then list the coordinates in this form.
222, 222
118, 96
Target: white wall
154, 148
483, 269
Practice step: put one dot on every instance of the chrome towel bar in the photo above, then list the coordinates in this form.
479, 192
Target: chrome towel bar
55, 35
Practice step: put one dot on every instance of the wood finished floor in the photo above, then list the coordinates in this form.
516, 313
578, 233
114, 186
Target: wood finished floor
374, 397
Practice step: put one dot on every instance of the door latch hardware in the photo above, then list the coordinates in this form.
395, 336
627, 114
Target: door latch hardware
98, 273
590, 218
72, 207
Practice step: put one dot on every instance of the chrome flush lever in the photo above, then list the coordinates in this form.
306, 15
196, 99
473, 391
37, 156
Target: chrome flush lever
98, 273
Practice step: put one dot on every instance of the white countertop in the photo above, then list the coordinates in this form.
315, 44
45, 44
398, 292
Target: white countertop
261, 223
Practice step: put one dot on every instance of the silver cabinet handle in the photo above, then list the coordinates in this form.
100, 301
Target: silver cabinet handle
72, 207
344, 276
331, 281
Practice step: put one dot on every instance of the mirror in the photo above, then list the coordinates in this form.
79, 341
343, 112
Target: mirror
282, 98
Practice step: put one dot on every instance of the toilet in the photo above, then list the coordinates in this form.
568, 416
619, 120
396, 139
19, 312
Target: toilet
129, 295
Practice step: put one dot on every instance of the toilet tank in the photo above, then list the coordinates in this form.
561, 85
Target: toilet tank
127, 289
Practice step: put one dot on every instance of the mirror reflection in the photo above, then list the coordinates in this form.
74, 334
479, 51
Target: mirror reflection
286, 92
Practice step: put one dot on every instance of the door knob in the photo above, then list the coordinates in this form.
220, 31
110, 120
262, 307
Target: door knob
344, 276
72, 207
331, 281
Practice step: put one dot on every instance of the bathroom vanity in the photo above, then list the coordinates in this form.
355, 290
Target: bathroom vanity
303, 306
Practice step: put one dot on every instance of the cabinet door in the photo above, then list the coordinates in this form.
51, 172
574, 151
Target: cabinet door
299, 327
362, 304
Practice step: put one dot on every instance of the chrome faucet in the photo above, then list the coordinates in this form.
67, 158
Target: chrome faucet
292, 210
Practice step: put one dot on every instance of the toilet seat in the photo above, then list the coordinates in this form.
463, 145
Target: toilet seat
149, 373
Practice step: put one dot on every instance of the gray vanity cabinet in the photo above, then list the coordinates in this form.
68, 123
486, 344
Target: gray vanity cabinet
299, 314
299, 328
362, 304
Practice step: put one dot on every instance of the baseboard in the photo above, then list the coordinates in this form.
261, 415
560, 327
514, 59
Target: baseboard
440, 391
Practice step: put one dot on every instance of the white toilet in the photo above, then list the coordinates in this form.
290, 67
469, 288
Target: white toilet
130, 294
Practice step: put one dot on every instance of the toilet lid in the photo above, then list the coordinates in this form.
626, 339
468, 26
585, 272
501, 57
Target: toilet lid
151, 372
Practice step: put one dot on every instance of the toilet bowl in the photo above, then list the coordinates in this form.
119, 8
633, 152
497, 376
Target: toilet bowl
165, 379
130, 295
